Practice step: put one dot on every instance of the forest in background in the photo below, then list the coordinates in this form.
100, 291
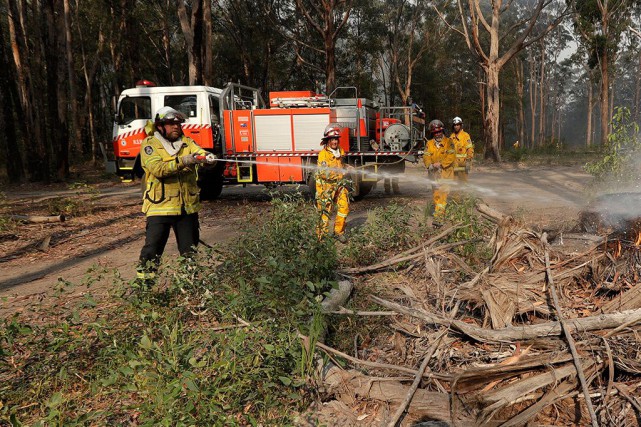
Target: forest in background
541, 72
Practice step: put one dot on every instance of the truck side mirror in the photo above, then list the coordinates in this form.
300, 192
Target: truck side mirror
118, 119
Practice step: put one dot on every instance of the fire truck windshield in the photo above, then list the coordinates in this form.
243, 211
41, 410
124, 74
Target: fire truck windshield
186, 104
134, 108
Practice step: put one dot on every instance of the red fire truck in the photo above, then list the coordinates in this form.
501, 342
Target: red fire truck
269, 144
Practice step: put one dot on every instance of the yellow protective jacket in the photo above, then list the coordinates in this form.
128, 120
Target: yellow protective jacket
171, 186
328, 165
464, 148
445, 154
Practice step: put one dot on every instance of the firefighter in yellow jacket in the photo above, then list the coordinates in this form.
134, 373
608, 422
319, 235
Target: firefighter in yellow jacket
171, 199
464, 150
331, 185
439, 159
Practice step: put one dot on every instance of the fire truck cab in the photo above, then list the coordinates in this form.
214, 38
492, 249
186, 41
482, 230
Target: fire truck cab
275, 143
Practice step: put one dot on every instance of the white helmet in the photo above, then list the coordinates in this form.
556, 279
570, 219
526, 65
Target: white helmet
169, 115
457, 121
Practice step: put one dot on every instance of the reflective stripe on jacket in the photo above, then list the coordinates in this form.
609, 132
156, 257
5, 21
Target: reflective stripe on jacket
444, 154
464, 147
328, 166
171, 186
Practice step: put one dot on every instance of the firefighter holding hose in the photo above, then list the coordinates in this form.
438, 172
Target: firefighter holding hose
439, 159
171, 199
332, 185
464, 150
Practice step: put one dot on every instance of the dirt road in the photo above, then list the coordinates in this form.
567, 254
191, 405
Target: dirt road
35, 258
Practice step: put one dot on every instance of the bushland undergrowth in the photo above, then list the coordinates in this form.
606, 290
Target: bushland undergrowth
215, 342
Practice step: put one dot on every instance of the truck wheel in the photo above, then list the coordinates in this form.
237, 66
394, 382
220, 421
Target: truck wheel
362, 189
211, 185
311, 184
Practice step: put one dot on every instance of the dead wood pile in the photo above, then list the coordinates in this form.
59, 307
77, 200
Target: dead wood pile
537, 336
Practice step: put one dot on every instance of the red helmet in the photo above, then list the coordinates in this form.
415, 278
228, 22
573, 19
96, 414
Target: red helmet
331, 131
435, 126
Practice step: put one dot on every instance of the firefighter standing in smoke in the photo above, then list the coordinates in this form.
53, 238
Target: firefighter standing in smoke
172, 198
439, 158
331, 185
464, 150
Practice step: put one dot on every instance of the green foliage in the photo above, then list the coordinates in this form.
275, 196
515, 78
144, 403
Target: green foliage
67, 206
619, 161
515, 154
82, 187
386, 229
281, 259
6, 224
214, 343
462, 211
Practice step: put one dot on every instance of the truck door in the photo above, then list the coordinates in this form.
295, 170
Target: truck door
129, 130
214, 117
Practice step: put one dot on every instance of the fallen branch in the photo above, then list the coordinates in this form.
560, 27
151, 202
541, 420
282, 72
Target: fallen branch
493, 214
337, 296
623, 389
518, 333
396, 260
374, 365
38, 219
408, 253
425, 404
417, 380
568, 335
343, 310
553, 395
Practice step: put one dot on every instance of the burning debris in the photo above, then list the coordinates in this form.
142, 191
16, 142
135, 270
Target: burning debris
536, 336
615, 213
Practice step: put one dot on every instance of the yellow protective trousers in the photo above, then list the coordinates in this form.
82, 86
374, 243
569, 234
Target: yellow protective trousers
329, 194
461, 176
439, 196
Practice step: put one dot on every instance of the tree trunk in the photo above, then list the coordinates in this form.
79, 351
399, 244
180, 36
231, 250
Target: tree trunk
637, 93
17, 39
330, 64
520, 90
588, 137
57, 132
166, 44
207, 45
75, 144
10, 149
605, 92
533, 99
482, 87
492, 115
192, 31
327, 20
542, 99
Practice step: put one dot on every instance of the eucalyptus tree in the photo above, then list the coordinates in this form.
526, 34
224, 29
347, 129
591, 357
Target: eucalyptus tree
314, 26
361, 47
480, 24
195, 21
409, 36
600, 24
